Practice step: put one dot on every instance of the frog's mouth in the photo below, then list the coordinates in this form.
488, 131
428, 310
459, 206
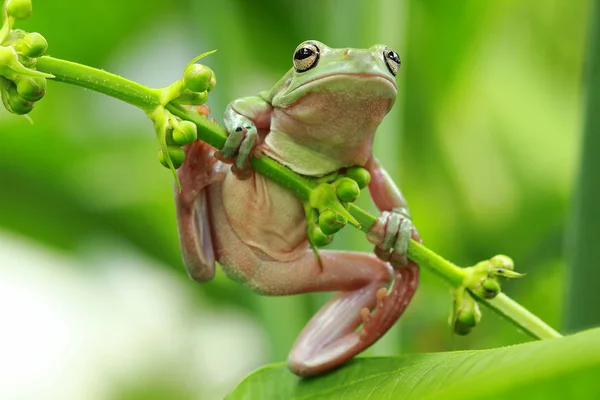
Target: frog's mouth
318, 81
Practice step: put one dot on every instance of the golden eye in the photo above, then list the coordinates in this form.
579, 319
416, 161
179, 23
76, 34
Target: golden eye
392, 61
306, 56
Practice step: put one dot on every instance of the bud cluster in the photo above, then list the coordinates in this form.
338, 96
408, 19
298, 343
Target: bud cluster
327, 212
20, 84
172, 133
482, 280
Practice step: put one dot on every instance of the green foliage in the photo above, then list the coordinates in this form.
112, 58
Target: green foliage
564, 368
583, 248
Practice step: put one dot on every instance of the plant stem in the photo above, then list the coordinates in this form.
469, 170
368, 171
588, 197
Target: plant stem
100, 81
583, 251
148, 99
519, 316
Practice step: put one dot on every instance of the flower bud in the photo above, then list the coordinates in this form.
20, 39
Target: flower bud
197, 77
490, 288
19, 9
347, 189
14, 102
467, 317
31, 88
330, 222
176, 154
33, 45
185, 133
317, 237
360, 175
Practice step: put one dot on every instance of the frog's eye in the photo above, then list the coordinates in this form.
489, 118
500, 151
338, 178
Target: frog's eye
392, 60
306, 57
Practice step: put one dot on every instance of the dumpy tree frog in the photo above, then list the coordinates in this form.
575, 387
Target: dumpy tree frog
319, 118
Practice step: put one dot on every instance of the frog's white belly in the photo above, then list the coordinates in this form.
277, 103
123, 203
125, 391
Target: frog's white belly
264, 217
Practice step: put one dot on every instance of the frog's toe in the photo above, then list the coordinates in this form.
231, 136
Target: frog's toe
241, 173
391, 234
246, 147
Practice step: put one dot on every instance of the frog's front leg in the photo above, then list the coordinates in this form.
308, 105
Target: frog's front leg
247, 121
393, 229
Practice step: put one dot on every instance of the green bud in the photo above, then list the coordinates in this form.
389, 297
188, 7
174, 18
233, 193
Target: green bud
177, 155
33, 45
360, 175
317, 237
467, 317
31, 88
330, 222
324, 197
192, 98
19, 9
347, 189
464, 324
489, 288
14, 102
197, 77
185, 133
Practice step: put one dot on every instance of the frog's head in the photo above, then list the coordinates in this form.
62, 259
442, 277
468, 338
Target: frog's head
319, 68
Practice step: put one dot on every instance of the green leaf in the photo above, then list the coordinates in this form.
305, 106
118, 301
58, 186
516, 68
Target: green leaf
559, 368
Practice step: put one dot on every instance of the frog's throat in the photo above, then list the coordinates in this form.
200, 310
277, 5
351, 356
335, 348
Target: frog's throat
298, 158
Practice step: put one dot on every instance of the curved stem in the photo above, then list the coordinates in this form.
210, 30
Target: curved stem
100, 81
147, 99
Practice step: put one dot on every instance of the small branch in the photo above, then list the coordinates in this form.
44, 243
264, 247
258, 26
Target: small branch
100, 81
519, 316
215, 135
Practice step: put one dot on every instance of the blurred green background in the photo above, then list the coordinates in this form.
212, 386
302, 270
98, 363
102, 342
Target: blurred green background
94, 300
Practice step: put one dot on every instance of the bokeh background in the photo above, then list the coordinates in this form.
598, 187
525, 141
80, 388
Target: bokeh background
94, 300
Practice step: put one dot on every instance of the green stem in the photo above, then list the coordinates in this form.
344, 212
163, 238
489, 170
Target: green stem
519, 316
100, 81
210, 132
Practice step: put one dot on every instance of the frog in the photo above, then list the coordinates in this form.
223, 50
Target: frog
319, 118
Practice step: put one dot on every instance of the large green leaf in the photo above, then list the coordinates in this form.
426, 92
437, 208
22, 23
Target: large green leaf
566, 368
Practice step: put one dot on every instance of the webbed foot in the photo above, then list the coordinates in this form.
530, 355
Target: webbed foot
240, 146
391, 234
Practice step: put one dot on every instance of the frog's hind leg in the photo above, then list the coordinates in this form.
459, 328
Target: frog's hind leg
199, 170
334, 334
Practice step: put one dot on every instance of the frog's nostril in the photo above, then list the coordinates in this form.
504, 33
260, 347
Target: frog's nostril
346, 52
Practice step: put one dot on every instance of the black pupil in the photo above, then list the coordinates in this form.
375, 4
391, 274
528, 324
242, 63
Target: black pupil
303, 53
392, 55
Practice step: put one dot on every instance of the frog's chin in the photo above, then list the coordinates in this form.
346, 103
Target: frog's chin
379, 85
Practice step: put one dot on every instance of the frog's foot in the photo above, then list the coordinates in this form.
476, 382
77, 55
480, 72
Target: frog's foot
352, 321
391, 234
389, 302
240, 145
